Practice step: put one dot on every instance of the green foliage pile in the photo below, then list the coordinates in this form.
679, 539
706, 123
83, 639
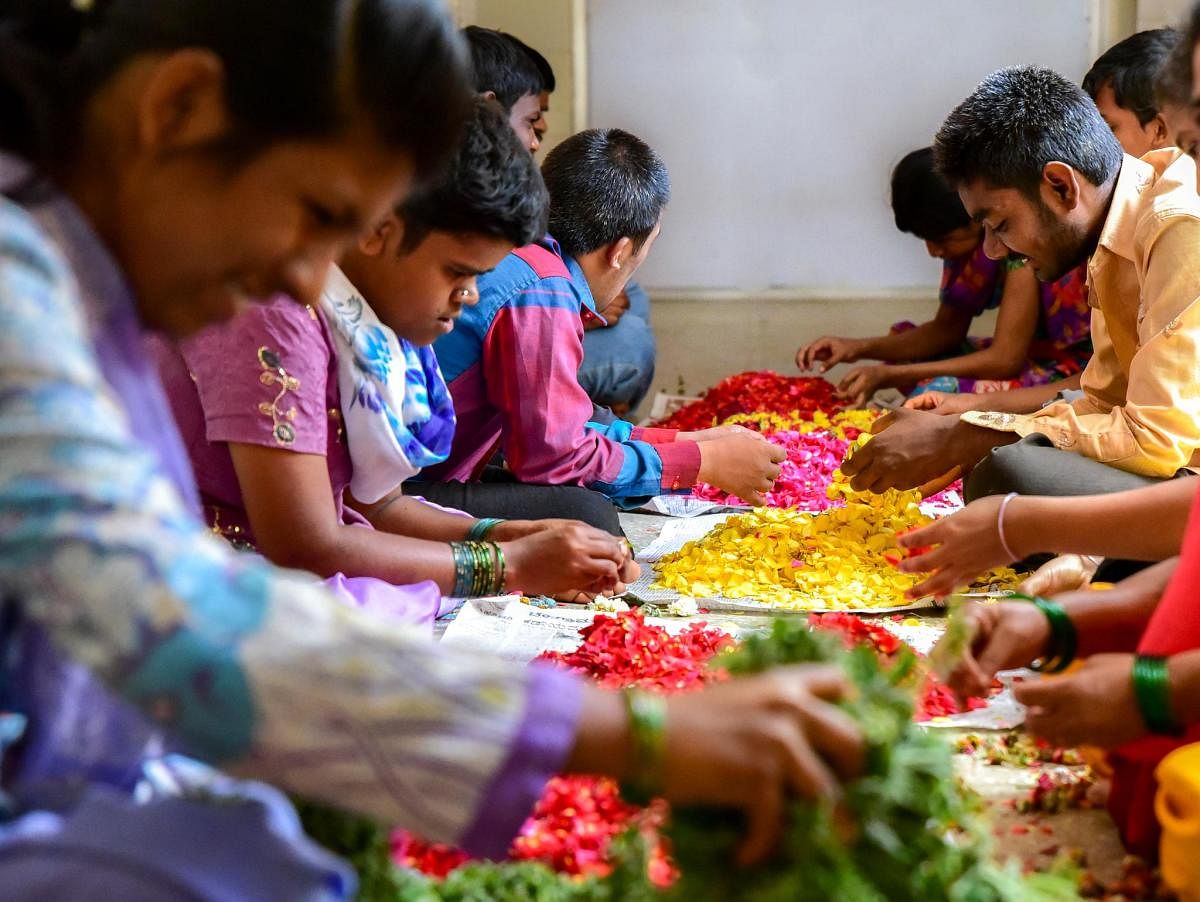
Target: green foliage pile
916, 834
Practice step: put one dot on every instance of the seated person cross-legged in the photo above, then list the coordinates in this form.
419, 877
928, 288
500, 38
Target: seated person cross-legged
513, 360
1042, 329
1137, 223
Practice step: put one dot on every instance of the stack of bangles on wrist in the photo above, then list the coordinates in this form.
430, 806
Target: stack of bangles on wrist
479, 569
647, 715
480, 529
1063, 640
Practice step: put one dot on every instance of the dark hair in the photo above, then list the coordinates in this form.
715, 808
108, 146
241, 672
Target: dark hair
292, 70
492, 187
1130, 68
604, 184
500, 64
1018, 120
923, 204
545, 70
1174, 84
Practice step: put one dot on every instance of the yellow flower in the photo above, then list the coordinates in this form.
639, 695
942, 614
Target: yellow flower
799, 561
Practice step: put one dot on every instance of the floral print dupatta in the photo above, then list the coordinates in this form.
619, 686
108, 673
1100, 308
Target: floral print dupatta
398, 413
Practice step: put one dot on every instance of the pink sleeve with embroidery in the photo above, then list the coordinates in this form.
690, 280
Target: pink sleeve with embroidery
262, 377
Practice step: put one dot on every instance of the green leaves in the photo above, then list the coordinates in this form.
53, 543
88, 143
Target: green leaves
914, 834
917, 834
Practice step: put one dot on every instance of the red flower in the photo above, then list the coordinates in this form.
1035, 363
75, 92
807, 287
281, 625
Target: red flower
760, 391
626, 651
434, 859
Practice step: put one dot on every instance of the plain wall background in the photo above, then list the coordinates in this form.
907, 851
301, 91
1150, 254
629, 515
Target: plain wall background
781, 120
732, 90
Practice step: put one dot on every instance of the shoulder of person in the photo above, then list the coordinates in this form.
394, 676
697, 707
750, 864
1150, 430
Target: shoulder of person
24, 244
1169, 194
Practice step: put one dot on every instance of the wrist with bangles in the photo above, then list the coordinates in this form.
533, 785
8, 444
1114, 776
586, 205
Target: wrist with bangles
1063, 639
482, 528
647, 717
479, 569
1152, 691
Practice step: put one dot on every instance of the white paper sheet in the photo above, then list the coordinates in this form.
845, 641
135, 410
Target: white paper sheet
520, 632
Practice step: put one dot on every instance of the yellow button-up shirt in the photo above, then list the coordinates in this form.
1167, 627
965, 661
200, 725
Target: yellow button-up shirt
1141, 406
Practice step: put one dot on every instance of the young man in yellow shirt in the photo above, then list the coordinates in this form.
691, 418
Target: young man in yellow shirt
1037, 166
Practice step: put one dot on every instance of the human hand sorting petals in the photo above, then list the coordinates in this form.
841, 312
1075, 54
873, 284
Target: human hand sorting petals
742, 464
752, 742
912, 448
1002, 636
827, 352
1094, 705
964, 545
861, 383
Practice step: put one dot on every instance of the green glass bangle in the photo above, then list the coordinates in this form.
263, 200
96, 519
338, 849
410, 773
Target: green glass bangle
648, 738
463, 571
480, 528
501, 568
1152, 689
1064, 641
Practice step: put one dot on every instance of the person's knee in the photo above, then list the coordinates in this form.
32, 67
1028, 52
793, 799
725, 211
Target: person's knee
618, 365
591, 508
1004, 470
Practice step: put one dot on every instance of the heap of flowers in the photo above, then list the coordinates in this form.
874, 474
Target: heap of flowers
789, 560
579, 816
935, 698
624, 651
1017, 749
815, 449
757, 391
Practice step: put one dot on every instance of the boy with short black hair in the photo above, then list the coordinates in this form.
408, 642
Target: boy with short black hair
1121, 82
502, 69
512, 360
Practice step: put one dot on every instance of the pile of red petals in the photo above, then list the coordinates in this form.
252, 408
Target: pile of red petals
857, 631
576, 819
935, 698
435, 859
756, 392
578, 816
804, 477
625, 650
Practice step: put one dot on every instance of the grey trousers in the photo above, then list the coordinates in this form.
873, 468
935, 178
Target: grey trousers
1033, 466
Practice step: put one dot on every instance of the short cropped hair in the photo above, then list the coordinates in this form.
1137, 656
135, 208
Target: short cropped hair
545, 70
604, 184
1174, 85
1130, 68
501, 65
1015, 122
492, 187
922, 202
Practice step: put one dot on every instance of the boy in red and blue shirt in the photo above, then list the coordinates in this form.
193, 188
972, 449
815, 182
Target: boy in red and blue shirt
512, 360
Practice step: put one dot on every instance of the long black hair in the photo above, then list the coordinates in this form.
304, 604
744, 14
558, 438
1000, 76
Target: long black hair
293, 70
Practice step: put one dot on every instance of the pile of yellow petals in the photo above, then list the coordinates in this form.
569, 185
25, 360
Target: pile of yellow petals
837, 424
796, 561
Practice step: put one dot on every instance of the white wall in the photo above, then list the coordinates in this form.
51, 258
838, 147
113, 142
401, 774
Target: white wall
1159, 13
780, 121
